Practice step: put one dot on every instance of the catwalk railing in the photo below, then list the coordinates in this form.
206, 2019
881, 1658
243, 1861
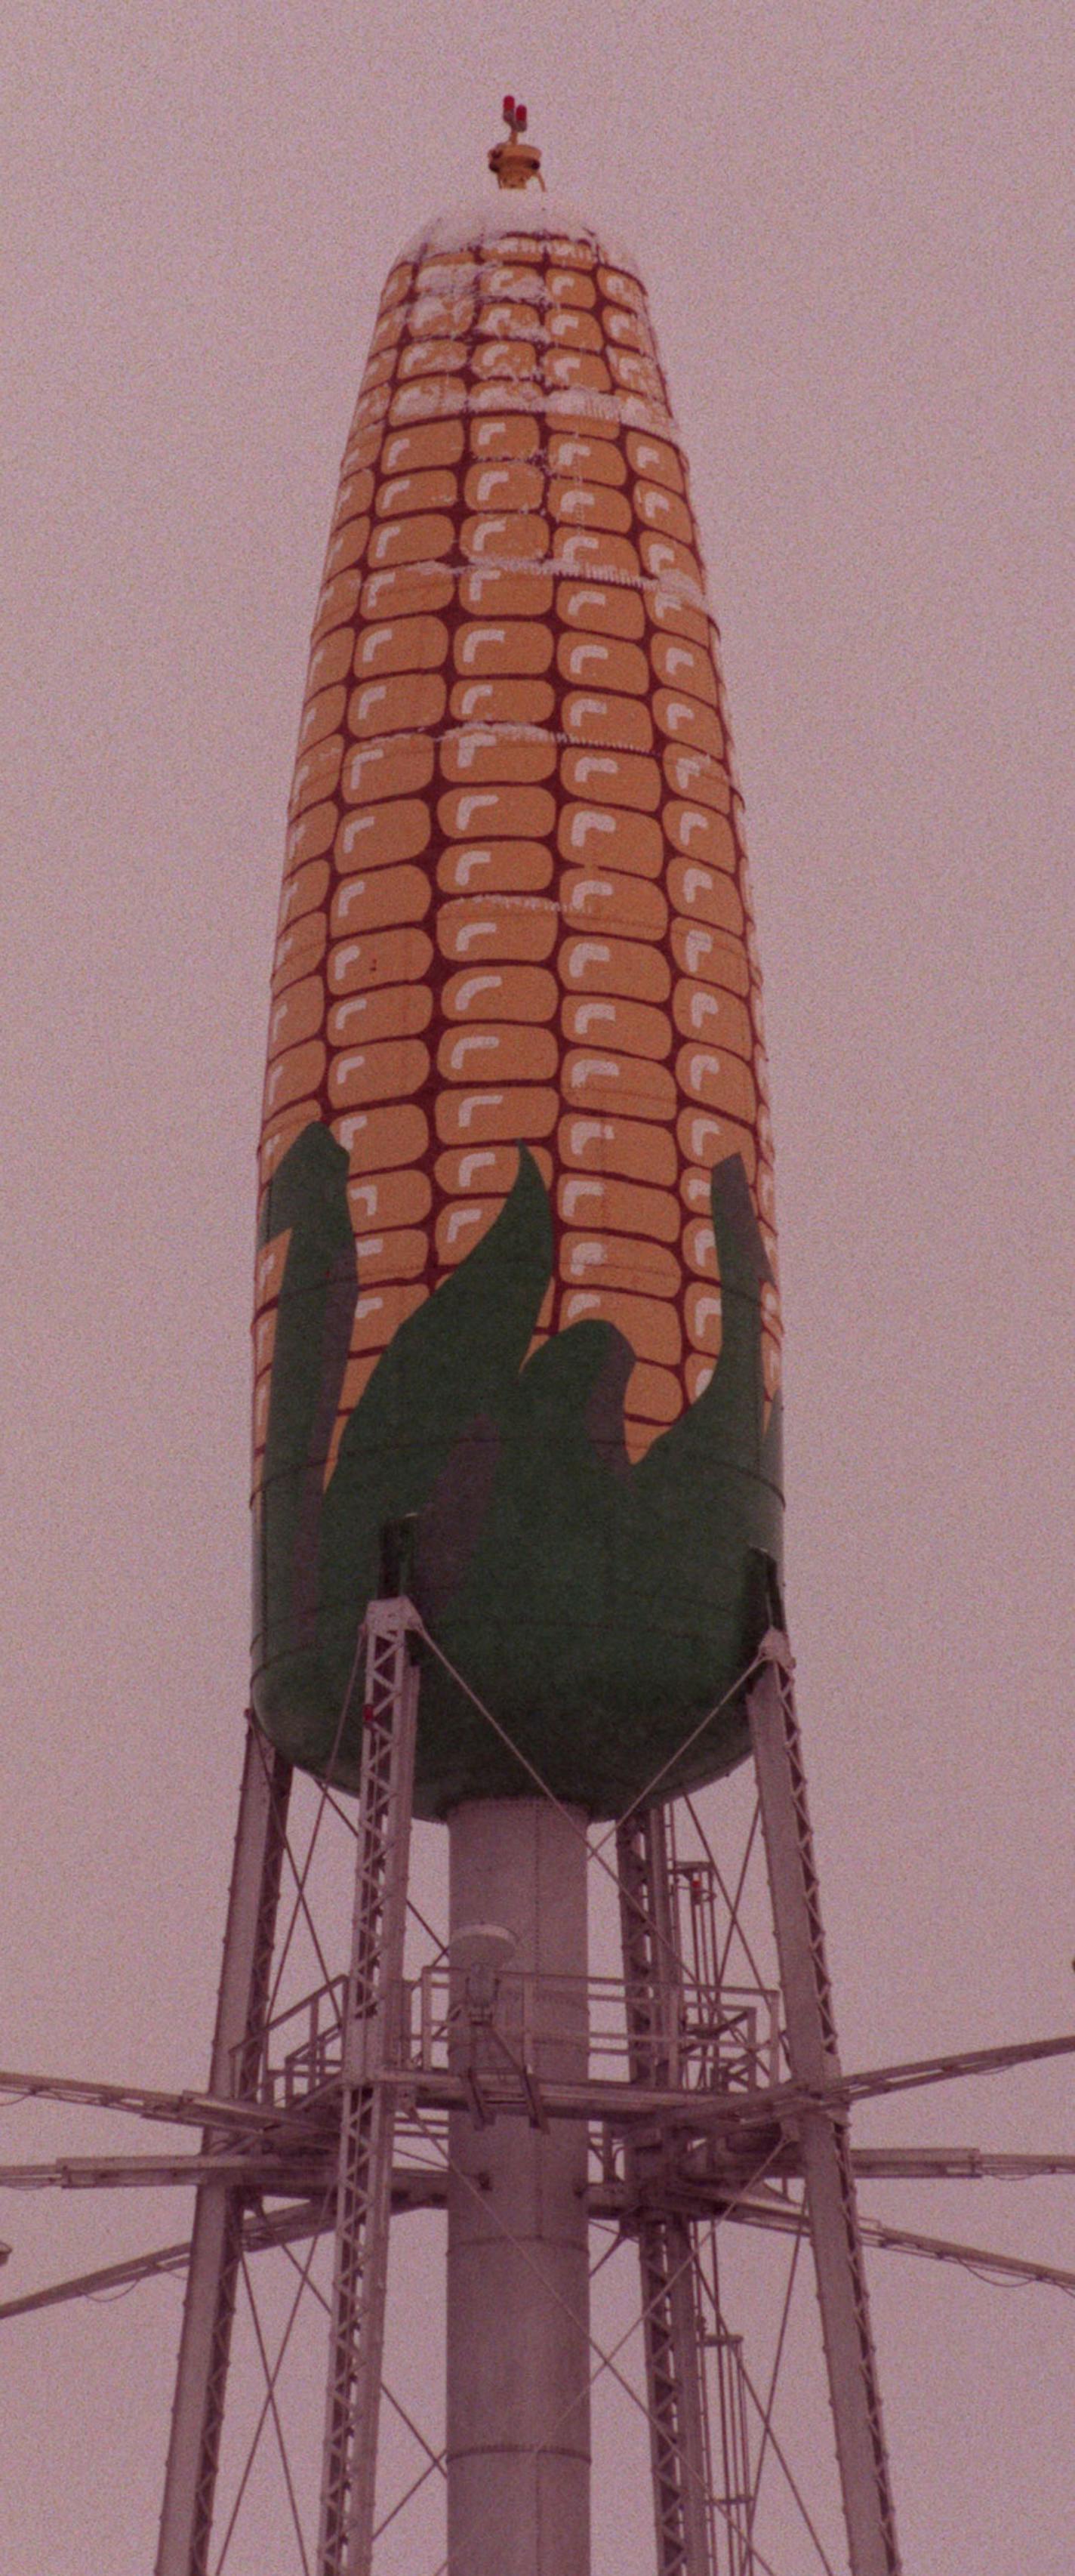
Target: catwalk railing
731, 2048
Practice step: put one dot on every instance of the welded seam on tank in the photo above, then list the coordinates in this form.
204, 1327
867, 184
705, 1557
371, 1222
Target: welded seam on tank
571, 406
676, 588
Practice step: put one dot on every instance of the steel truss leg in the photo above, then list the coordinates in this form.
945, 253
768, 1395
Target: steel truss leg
364, 2191
823, 2140
675, 2385
209, 2306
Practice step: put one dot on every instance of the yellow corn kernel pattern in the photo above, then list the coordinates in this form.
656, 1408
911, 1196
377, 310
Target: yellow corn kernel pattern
515, 903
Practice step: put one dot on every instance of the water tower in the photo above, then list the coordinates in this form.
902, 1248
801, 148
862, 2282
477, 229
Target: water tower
517, 1437
517, 1417
517, 1486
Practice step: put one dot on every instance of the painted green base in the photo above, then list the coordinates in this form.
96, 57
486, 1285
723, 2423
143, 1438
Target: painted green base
598, 1609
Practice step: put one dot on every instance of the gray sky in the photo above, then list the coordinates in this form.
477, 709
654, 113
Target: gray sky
872, 212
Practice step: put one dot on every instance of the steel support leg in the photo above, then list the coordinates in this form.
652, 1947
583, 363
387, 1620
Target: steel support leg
364, 2190
830, 2188
209, 2306
675, 2382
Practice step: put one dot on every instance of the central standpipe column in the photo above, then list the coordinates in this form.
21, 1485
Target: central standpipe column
518, 2287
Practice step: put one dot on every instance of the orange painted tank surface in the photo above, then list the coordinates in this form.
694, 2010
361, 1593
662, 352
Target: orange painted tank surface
516, 910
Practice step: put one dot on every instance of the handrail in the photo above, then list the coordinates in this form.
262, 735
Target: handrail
724, 2039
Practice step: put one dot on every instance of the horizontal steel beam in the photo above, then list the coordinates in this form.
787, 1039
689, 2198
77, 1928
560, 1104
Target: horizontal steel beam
264, 2172
905, 2077
414, 2187
190, 2110
291, 2170
956, 2164
605, 2099
901, 2240
751, 2119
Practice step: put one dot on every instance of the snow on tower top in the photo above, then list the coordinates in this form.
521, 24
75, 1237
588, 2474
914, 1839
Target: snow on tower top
484, 222
531, 211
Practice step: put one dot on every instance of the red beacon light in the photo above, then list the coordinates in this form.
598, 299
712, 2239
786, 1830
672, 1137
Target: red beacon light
514, 163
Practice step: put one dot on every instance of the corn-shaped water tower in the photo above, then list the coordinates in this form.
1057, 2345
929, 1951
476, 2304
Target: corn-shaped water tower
517, 1496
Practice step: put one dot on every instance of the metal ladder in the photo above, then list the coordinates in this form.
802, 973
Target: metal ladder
675, 2391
